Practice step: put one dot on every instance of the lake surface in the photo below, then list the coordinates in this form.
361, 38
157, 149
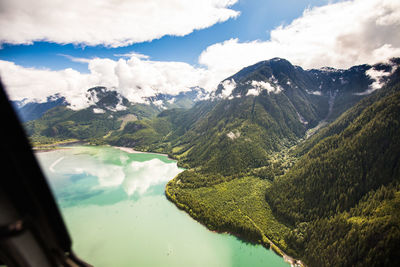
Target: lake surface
115, 209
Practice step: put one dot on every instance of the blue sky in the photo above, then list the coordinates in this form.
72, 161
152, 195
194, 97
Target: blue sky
257, 18
144, 47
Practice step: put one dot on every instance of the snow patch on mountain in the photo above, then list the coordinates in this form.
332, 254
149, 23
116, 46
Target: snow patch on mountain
98, 111
159, 103
319, 93
301, 118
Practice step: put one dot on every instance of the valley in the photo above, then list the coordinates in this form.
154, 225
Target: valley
218, 133
306, 162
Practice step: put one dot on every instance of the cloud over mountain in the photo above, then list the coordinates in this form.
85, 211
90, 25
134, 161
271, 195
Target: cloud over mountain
107, 22
338, 35
134, 78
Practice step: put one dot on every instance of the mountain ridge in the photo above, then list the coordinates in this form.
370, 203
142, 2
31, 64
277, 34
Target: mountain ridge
359, 214
238, 143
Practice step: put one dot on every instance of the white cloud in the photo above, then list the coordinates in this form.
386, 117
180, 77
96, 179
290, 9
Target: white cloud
75, 59
132, 54
260, 85
138, 78
37, 84
134, 78
108, 22
339, 35
378, 77
253, 91
228, 87
159, 103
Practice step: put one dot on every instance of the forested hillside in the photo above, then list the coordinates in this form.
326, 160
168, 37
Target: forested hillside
336, 202
304, 161
347, 185
63, 123
32, 110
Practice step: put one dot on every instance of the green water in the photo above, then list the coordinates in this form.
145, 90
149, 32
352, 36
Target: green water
114, 206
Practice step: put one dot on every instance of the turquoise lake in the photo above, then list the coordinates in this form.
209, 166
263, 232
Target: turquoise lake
115, 209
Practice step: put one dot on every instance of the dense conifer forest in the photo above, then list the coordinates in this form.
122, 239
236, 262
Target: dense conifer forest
323, 187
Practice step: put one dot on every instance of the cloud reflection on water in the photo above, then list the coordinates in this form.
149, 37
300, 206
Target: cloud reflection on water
141, 175
133, 176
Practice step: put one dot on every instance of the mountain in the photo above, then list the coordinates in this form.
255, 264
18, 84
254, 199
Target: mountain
303, 161
342, 197
28, 111
108, 112
331, 200
242, 130
109, 99
315, 94
254, 114
184, 99
101, 98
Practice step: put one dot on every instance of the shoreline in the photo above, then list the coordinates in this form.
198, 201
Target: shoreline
66, 145
265, 241
54, 146
42, 150
133, 151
